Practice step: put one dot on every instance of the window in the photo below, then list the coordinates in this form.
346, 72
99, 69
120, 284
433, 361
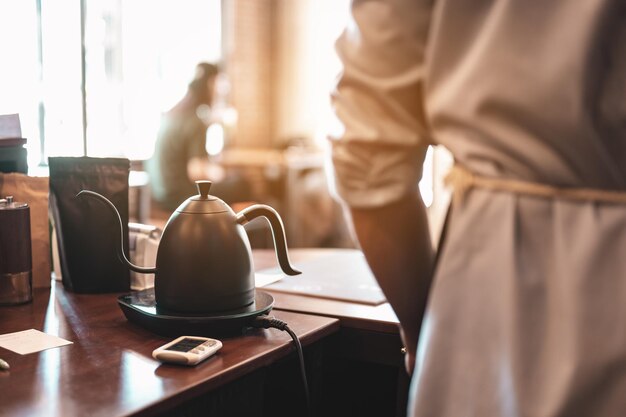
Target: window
21, 89
92, 77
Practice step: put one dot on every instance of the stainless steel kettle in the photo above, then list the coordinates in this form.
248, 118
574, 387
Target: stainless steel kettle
204, 259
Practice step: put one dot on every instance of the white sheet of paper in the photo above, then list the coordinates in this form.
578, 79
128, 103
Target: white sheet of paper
340, 274
30, 341
262, 279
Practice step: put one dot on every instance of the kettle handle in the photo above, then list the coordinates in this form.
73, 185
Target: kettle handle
278, 232
120, 248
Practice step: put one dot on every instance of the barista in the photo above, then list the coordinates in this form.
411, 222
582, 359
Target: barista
180, 155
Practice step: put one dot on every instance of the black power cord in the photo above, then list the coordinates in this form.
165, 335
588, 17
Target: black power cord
266, 322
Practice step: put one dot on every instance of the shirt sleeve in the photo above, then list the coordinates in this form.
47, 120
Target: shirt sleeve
377, 157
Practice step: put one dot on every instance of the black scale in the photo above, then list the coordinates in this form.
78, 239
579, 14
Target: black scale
140, 308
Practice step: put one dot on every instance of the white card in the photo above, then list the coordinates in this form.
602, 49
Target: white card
30, 341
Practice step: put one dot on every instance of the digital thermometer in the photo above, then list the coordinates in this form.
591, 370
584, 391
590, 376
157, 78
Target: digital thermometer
187, 350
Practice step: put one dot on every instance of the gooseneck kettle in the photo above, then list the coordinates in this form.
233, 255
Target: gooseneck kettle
204, 259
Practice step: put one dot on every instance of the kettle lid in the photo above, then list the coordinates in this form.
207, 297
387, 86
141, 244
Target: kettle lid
203, 202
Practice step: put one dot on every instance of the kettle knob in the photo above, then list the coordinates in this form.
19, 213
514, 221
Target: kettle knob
203, 188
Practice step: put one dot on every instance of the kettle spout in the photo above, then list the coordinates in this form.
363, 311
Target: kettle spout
278, 232
120, 248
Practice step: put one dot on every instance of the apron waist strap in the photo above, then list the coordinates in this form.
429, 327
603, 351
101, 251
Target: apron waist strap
462, 180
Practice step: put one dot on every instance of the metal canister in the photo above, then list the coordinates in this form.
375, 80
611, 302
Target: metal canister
15, 253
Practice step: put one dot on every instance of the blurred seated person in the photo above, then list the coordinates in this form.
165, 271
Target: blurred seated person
180, 156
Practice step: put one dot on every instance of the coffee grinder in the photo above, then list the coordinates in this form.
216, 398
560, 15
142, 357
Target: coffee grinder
15, 253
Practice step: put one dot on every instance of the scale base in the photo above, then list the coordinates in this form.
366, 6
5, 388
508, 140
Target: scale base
140, 308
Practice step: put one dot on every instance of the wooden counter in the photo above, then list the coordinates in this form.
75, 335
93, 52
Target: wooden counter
352, 352
367, 353
109, 371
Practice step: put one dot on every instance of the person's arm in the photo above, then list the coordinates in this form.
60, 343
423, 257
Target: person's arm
377, 157
397, 246
199, 166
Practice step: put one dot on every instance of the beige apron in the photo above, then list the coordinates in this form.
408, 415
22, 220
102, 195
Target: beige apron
527, 315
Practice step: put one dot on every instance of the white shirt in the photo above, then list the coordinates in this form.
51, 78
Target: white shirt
528, 89
526, 315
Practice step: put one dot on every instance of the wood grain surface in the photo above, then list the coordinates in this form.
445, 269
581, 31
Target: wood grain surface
109, 370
